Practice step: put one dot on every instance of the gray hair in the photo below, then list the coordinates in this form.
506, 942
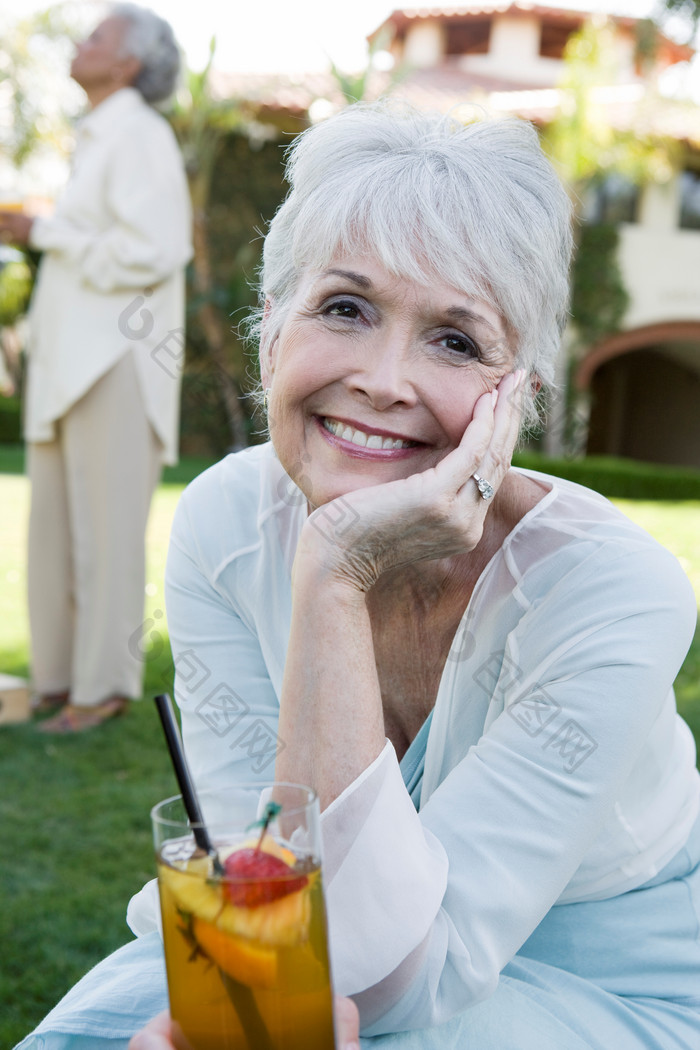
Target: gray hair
151, 40
477, 206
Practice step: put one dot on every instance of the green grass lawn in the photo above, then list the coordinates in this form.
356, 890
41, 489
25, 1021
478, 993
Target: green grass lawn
74, 812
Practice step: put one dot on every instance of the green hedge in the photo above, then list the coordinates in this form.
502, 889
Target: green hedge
10, 420
619, 478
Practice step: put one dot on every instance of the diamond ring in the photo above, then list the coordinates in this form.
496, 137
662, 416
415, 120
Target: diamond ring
485, 487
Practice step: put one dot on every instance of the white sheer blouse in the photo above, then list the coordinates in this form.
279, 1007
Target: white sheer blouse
556, 767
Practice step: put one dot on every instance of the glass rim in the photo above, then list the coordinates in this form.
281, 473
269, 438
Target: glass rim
258, 786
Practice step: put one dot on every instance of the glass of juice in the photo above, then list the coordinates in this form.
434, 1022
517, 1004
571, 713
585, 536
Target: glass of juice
244, 928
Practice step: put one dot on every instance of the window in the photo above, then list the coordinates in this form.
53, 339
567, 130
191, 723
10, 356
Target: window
467, 38
690, 200
612, 199
554, 37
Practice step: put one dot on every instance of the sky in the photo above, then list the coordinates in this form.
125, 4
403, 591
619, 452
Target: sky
289, 35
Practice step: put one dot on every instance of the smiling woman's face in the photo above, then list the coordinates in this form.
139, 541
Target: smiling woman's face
374, 377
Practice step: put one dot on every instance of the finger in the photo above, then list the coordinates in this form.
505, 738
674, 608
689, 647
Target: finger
347, 1023
157, 1035
456, 468
493, 463
509, 412
507, 420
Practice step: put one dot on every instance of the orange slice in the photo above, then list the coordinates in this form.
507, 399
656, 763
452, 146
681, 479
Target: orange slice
246, 963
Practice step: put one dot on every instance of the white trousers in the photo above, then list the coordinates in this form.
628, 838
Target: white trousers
91, 489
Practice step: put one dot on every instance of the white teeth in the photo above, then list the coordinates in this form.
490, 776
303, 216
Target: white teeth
355, 437
359, 437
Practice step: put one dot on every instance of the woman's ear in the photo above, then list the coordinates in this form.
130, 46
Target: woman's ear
535, 384
268, 344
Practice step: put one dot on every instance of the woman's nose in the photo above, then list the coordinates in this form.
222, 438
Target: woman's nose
387, 373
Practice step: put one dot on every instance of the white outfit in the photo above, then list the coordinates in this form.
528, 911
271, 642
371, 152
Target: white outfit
112, 274
106, 348
556, 768
91, 490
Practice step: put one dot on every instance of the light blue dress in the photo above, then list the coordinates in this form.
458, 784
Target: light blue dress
549, 804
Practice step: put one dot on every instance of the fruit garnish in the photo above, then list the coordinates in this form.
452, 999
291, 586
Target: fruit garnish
250, 964
283, 923
193, 895
257, 876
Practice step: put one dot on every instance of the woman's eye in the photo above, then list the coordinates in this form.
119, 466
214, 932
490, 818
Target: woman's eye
461, 344
342, 309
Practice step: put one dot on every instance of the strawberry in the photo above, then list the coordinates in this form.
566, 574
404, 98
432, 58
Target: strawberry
258, 878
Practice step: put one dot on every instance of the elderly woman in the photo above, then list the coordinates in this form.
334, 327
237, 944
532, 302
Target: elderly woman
109, 294
473, 665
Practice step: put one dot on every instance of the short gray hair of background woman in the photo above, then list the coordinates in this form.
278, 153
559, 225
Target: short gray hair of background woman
477, 205
151, 40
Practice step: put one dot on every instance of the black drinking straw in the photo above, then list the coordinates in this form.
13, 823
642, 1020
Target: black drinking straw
241, 996
184, 779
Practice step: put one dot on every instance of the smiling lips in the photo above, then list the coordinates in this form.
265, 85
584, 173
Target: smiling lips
362, 438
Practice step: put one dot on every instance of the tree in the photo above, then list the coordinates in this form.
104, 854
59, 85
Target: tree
37, 100
582, 141
688, 12
36, 103
356, 87
202, 124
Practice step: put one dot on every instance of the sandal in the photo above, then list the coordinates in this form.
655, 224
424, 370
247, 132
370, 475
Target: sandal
49, 703
72, 719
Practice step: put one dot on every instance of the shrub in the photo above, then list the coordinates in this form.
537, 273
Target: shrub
619, 478
10, 421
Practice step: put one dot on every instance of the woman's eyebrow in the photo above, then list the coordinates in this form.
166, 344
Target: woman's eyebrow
461, 314
357, 278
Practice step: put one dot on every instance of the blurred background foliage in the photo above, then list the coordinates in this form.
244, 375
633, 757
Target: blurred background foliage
16, 279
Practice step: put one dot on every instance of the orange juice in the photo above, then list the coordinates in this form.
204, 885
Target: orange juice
245, 977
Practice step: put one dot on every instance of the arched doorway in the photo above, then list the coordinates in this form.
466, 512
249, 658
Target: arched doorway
644, 388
